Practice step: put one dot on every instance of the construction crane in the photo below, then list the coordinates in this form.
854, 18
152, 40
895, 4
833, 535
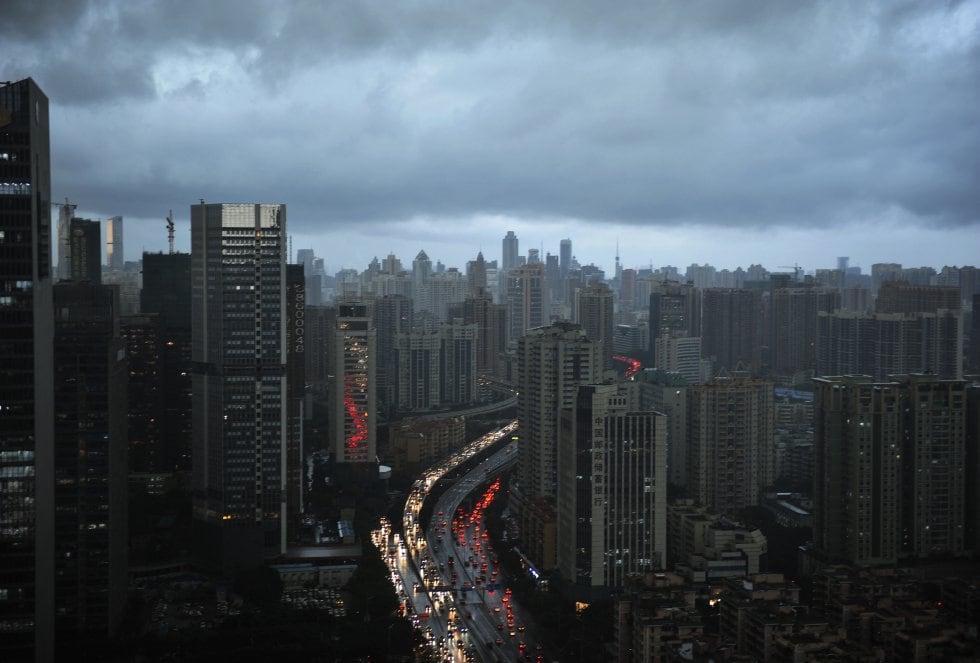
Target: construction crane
796, 270
170, 231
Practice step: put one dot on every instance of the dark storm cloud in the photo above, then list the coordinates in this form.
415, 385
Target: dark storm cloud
644, 113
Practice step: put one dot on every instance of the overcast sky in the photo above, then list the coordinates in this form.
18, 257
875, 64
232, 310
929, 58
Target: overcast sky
722, 132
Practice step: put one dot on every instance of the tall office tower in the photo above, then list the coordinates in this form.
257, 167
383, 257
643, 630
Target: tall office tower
894, 468
320, 324
353, 397
296, 346
675, 310
972, 467
26, 377
883, 344
882, 272
66, 212
86, 251
612, 490
627, 289
418, 364
91, 468
392, 315
552, 275
160, 349
551, 364
238, 320
305, 258
594, 311
667, 393
391, 265
681, 355
527, 300
564, 257
792, 328
114, 243
972, 361
731, 446
731, 328
476, 273
902, 297
533, 256
491, 330
510, 251
458, 354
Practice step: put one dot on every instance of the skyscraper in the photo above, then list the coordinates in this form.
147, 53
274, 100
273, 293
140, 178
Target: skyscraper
26, 376
86, 251
731, 456
91, 468
353, 400
527, 299
491, 324
238, 271
731, 328
114, 257
66, 212
564, 257
510, 251
792, 327
594, 311
675, 310
551, 364
890, 468
612, 490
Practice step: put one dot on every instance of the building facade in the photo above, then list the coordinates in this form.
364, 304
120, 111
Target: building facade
240, 421
353, 388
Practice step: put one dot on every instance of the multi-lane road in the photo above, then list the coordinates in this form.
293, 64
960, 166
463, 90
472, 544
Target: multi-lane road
447, 576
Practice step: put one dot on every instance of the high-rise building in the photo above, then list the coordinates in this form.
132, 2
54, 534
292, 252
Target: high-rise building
792, 327
458, 363
296, 346
491, 329
91, 468
86, 251
418, 386
903, 297
510, 251
612, 490
681, 355
240, 423
114, 257
353, 389
627, 289
667, 393
393, 315
564, 257
883, 344
890, 461
167, 288
594, 311
551, 364
476, 274
675, 310
27, 572
732, 452
66, 212
731, 328
527, 300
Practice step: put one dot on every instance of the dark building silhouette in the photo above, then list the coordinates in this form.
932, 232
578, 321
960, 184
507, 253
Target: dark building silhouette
91, 468
594, 311
167, 288
86, 250
393, 315
891, 468
296, 347
731, 327
26, 376
792, 328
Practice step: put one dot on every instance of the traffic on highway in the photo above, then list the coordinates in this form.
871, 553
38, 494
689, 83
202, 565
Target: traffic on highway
447, 576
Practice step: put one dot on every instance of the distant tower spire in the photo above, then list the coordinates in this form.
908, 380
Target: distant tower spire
170, 231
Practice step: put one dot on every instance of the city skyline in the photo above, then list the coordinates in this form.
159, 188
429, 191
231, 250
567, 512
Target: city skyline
778, 133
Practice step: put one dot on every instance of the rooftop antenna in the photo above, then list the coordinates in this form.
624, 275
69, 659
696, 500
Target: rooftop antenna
170, 231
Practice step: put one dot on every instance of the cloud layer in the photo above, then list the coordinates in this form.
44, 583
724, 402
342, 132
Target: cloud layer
388, 115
